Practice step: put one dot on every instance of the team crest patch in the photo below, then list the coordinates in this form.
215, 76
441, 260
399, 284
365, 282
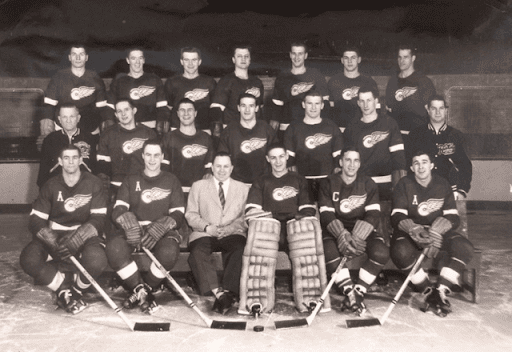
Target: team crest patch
350, 93
81, 92
76, 202
430, 206
285, 192
252, 145
133, 145
191, 151
254, 91
446, 148
154, 194
301, 87
196, 94
141, 92
317, 140
352, 203
85, 149
378, 136
405, 92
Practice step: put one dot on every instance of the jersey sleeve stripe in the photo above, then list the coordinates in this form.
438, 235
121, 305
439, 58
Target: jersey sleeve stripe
396, 147
105, 158
111, 106
217, 105
161, 104
252, 205
116, 183
336, 153
56, 226
185, 189
40, 214
306, 206
50, 101
208, 166
99, 211
290, 153
402, 211
450, 212
381, 179
101, 104
278, 102
324, 209
122, 203
172, 210
166, 162
372, 207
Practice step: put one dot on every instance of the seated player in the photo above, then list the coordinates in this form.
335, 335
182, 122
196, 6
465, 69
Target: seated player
148, 210
349, 213
282, 195
424, 217
215, 211
67, 220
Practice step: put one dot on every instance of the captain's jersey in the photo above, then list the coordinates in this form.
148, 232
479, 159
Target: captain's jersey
349, 203
343, 92
407, 97
248, 148
146, 93
120, 151
314, 149
423, 204
87, 93
229, 89
187, 157
151, 198
284, 196
61, 207
289, 92
199, 90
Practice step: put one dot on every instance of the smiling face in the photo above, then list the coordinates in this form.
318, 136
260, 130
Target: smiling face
298, 55
187, 114
136, 61
350, 163
422, 167
153, 157
248, 108
277, 159
190, 63
125, 113
313, 106
78, 57
222, 168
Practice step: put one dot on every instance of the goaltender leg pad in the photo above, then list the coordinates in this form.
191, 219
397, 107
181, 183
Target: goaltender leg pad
308, 263
259, 261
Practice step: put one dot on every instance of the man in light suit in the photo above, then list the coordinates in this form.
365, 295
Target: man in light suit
215, 212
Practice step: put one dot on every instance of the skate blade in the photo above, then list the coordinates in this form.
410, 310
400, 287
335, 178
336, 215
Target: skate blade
440, 312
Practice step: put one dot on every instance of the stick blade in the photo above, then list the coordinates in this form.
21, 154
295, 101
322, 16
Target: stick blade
151, 326
288, 324
359, 323
230, 325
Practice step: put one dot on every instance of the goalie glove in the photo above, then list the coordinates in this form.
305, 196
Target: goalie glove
72, 242
417, 232
343, 238
49, 238
156, 231
130, 225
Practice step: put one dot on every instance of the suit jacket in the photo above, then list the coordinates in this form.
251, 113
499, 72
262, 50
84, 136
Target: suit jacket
204, 208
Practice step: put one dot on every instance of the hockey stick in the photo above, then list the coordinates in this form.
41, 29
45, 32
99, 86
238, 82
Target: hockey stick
214, 324
357, 323
132, 326
304, 322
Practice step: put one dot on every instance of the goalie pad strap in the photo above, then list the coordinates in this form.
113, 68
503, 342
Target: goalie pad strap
362, 229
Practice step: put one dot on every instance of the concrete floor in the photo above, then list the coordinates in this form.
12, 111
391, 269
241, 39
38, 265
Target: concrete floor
29, 322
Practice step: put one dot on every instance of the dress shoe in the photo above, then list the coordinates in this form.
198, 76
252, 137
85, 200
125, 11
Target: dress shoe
224, 303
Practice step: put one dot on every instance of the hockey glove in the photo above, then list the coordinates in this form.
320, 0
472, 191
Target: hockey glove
441, 225
417, 232
71, 243
49, 238
437, 242
156, 231
343, 238
130, 225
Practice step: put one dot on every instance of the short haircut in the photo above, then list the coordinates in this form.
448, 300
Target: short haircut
128, 100
419, 152
67, 106
70, 147
312, 93
136, 48
152, 141
276, 145
246, 95
437, 97
242, 46
299, 43
190, 49
351, 48
370, 89
407, 46
78, 46
186, 101
221, 154
350, 148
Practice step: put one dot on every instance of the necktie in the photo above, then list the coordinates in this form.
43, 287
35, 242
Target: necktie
221, 195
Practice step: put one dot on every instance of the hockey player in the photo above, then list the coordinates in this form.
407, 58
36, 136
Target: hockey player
69, 118
350, 214
344, 88
149, 209
424, 217
247, 141
224, 107
191, 85
67, 220
291, 86
215, 211
187, 151
446, 144
407, 93
145, 90
78, 86
313, 143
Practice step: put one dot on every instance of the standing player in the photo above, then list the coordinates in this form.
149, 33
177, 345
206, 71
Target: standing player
446, 144
247, 140
425, 216
344, 89
313, 143
70, 134
225, 99
67, 219
291, 86
408, 92
350, 214
145, 90
192, 85
149, 209
79, 86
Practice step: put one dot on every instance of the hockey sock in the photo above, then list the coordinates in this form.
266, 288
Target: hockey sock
130, 275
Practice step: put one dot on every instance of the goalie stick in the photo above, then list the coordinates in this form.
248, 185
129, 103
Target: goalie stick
132, 326
214, 324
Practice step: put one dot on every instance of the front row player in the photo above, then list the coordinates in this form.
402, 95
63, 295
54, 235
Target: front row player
67, 219
425, 216
149, 209
349, 213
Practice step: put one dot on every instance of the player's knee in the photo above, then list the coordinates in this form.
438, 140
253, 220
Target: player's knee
118, 252
378, 252
94, 259
31, 260
462, 249
403, 253
167, 252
